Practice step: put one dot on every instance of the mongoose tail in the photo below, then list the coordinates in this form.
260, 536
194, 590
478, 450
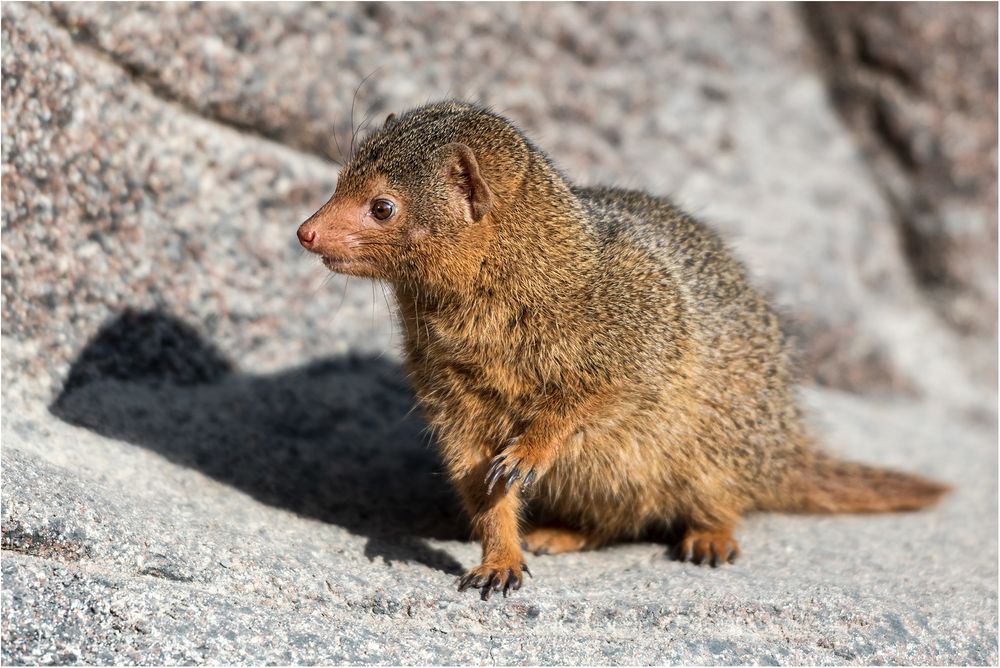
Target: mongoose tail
832, 486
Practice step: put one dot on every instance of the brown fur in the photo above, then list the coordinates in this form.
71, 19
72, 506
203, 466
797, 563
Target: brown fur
555, 540
600, 344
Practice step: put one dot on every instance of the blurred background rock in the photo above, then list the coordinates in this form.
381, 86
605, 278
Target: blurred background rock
161, 154
157, 159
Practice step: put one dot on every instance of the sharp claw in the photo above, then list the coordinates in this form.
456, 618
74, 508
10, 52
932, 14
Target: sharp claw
496, 581
511, 480
715, 560
509, 583
470, 580
528, 479
493, 475
489, 587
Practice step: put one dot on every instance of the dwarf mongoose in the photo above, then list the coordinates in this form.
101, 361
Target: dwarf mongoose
594, 354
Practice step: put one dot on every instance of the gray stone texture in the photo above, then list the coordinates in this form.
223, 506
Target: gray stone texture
918, 86
209, 454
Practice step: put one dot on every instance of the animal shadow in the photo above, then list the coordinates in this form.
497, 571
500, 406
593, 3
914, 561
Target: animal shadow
335, 440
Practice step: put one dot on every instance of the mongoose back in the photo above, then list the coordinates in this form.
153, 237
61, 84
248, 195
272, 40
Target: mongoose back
591, 358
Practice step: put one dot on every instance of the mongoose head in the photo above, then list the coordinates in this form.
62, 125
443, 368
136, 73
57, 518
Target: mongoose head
416, 200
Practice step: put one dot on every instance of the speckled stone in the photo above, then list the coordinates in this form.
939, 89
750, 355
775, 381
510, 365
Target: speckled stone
209, 454
918, 83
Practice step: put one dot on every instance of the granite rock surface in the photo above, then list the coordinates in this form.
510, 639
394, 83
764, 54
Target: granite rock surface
209, 454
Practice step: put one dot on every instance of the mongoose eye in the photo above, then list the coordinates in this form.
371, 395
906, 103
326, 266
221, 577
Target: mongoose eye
383, 209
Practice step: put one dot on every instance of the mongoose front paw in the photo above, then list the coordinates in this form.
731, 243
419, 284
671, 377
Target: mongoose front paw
489, 579
712, 547
518, 461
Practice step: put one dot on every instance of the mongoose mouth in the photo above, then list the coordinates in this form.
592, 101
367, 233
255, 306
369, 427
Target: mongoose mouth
351, 266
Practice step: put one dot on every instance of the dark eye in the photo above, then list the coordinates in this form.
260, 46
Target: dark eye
383, 209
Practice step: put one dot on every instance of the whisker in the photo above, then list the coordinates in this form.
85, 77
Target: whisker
353, 101
336, 141
326, 281
343, 297
376, 244
364, 124
392, 319
328, 153
323, 283
416, 319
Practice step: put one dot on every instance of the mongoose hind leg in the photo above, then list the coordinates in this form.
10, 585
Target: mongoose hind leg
556, 540
713, 546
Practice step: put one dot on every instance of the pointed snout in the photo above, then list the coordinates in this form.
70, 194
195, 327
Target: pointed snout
317, 230
337, 234
328, 231
307, 235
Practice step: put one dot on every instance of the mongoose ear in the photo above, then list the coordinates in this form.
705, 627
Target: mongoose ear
461, 170
389, 120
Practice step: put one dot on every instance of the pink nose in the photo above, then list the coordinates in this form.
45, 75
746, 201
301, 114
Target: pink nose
307, 237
